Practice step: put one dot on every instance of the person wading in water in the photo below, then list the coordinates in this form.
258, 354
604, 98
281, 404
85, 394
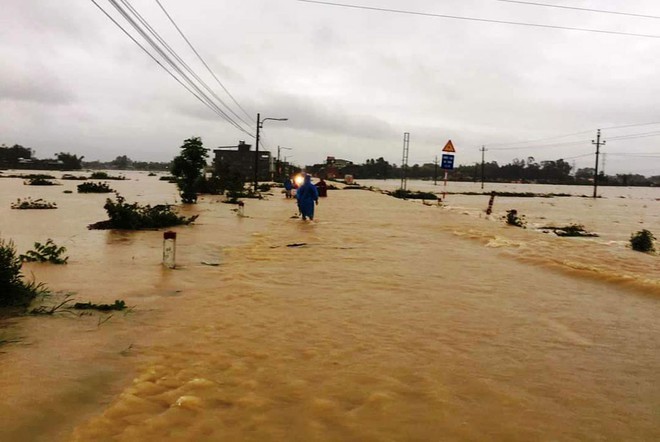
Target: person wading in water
307, 196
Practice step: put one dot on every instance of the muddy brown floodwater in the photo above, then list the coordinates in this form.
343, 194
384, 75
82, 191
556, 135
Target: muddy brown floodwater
394, 321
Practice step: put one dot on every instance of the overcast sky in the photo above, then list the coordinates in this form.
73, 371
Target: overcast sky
350, 81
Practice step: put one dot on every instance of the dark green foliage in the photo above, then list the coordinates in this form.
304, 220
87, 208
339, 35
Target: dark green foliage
188, 168
513, 219
39, 182
69, 161
230, 179
127, 216
14, 292
105, 176
94, 188
642, 241
210, 186
68, 176
29, 203
48, 252
117, 305
264, 187
168, 178
233, 196
410, 195
570, 230
151, 174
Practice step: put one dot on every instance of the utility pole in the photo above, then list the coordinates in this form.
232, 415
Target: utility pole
404, 160
256, 155
598, 143
435, 172
483, 164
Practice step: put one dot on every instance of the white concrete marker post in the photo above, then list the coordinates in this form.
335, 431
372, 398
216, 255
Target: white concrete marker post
169, 249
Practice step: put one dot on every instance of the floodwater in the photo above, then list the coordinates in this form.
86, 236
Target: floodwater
394, 321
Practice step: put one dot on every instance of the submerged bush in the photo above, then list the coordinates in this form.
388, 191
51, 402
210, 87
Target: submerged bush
410, 195
29, 203
94, 188
133, 216
105, 176
513, 219
39, 182
14, 292
48, 252
642, 241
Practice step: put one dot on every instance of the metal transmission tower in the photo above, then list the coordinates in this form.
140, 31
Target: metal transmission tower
483, 164
598, 143
404, 161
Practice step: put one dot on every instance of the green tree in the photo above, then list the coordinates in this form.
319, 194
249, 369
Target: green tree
69, 161
188, 168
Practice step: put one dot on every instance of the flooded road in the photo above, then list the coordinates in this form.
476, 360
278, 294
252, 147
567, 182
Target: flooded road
394, 321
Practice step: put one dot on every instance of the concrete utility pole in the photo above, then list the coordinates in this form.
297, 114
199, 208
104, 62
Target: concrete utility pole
256, 155
435, 171
483, 164
598, 143
260, 125
404, 160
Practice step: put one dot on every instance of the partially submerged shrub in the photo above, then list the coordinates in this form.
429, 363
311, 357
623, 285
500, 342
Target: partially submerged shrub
410, 195
29, 203
642, 241
48, 252
39, 182
117, 305
125, 216
264, 187
570, 230
68, 176
513, 219
14, 291
94, 188
105, 176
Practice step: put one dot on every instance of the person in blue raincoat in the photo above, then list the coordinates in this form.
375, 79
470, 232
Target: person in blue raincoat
288, 185
307, 196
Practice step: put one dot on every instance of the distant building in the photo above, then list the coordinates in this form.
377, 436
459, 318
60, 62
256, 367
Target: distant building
241, 159
333, 166
338, 162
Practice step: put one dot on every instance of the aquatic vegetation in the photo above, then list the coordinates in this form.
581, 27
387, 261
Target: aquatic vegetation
14, 291
68, 176
94, 188
29, 176
105, 176
48, 252
39, 182
410, 195
642, 241
117, 305
126, 216
570, 230
513, 219
29, 203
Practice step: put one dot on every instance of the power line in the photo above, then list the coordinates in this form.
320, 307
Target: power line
568, 143
482, 20
191, 86
170, 61
542, 139
602, 11
632, 125
204, 62
150, 55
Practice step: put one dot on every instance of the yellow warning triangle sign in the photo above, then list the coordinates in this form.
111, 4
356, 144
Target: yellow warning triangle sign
449, 147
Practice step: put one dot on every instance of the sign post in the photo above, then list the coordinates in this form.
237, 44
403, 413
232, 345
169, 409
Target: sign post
447, 163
